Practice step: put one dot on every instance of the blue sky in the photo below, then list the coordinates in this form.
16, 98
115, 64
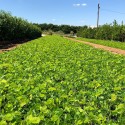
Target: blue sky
72, 12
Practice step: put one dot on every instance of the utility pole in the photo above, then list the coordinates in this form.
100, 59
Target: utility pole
98, 14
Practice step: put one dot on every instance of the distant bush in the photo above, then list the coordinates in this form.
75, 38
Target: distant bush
59, 33
50, 32
112, 31
65, 29
16, 29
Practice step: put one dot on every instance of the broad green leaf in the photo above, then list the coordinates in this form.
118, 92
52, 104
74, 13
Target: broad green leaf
113, 97
51, 89
79, 122
55, 118
34, 120
3, 122
9, 117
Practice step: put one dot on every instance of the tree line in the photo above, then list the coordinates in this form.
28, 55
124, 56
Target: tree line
112, 31
14, 29
66, 29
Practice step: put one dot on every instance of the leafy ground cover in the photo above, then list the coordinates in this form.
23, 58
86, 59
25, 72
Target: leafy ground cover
120, 45
52, 80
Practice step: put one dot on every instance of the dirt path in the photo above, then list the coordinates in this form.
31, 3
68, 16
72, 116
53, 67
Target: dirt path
110, 49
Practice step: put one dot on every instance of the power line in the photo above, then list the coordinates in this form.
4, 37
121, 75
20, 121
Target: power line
102, 9
112, 11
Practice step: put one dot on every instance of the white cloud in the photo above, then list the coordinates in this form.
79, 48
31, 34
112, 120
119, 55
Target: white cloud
84, 4
78, 4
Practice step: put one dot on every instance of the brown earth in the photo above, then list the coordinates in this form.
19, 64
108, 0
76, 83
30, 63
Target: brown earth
110, 49
8, 47
12, 45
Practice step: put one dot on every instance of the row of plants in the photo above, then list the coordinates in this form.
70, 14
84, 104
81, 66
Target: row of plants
112, 31
14, 29
55, 81
114, 44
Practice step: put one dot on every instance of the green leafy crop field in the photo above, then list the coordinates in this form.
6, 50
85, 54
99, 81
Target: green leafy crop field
114, 44
52, 80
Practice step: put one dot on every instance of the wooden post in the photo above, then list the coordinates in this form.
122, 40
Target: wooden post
98, 14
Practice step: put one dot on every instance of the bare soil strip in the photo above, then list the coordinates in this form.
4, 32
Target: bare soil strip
110, 49
11, 46
8, 48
